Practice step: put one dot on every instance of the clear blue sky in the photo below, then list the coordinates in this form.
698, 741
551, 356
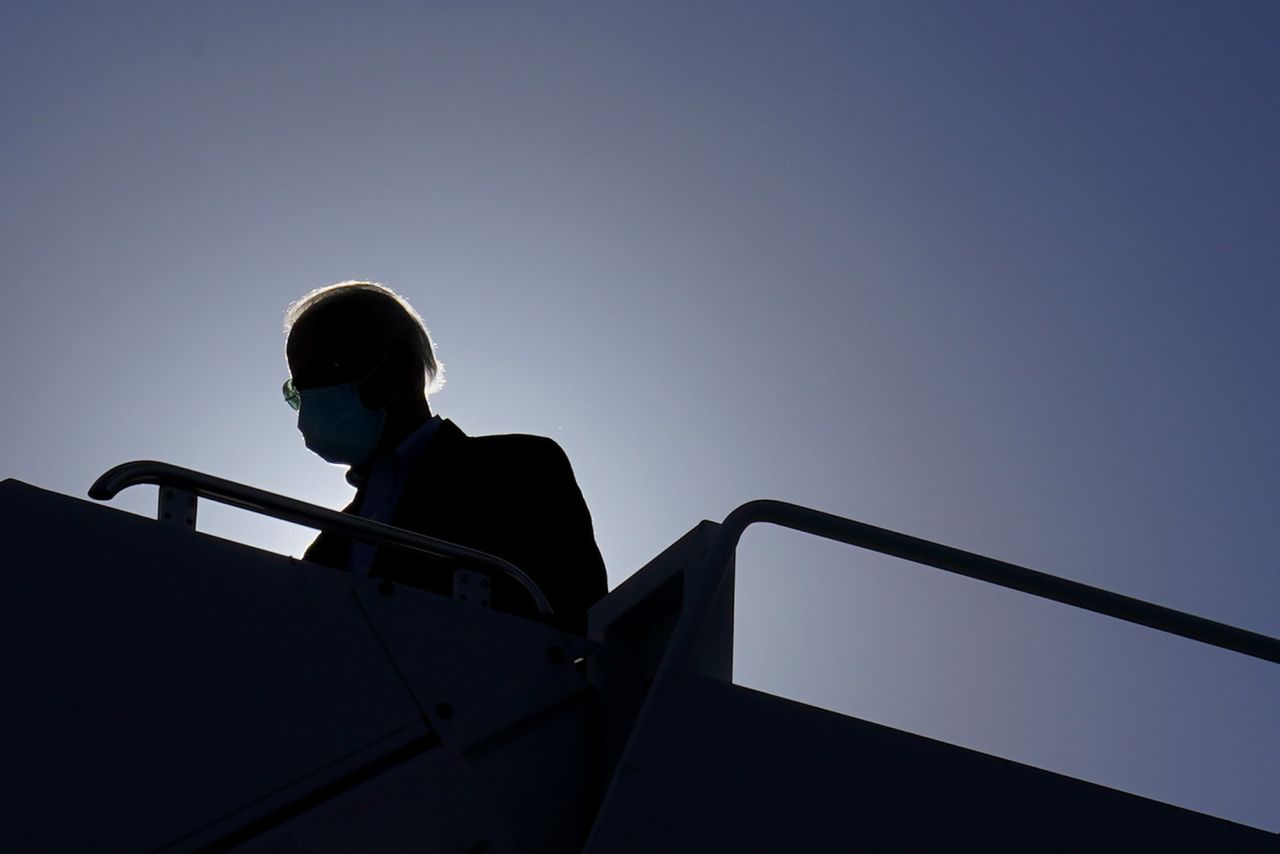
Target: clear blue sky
1001, 275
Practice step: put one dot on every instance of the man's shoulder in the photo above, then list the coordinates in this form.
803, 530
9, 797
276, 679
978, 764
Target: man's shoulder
517, 445
451, 447
501, 461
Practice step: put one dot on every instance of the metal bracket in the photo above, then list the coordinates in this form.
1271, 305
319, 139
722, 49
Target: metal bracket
177, 507
471, 587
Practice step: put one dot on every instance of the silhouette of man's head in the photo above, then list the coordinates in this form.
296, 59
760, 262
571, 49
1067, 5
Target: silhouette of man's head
364, 335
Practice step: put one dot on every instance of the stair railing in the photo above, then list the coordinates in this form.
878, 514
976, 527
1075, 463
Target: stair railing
180, 488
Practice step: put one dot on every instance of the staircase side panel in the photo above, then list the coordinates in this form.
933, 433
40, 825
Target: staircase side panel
158, 679
718, 767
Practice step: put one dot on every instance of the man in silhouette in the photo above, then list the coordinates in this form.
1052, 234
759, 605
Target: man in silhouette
362, 365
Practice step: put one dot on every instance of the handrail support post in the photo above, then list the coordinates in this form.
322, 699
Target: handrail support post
177, 507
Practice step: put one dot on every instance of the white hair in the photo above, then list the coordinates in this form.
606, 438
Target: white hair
433, 368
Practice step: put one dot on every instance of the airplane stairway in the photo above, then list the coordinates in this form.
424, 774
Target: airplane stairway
171, 691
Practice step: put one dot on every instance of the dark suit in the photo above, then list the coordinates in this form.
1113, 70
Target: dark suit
513, 496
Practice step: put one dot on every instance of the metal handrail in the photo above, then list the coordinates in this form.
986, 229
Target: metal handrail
228, 492
993, 571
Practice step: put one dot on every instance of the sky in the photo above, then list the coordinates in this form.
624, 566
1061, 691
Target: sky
1001, 275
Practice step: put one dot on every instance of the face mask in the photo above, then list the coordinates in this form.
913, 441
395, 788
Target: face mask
337, 426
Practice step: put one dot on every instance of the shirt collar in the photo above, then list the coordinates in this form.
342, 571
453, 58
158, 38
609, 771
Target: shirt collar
404, 456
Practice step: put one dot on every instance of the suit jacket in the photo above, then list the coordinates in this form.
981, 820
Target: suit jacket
513, 496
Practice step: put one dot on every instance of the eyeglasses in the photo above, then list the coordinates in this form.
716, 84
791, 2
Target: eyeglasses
293, 397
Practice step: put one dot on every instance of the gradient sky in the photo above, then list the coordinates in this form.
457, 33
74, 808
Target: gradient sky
1001, 275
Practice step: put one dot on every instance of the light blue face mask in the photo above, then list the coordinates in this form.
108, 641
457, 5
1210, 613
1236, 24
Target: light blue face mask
337, 426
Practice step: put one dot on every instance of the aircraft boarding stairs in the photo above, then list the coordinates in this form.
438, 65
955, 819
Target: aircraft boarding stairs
171, 691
